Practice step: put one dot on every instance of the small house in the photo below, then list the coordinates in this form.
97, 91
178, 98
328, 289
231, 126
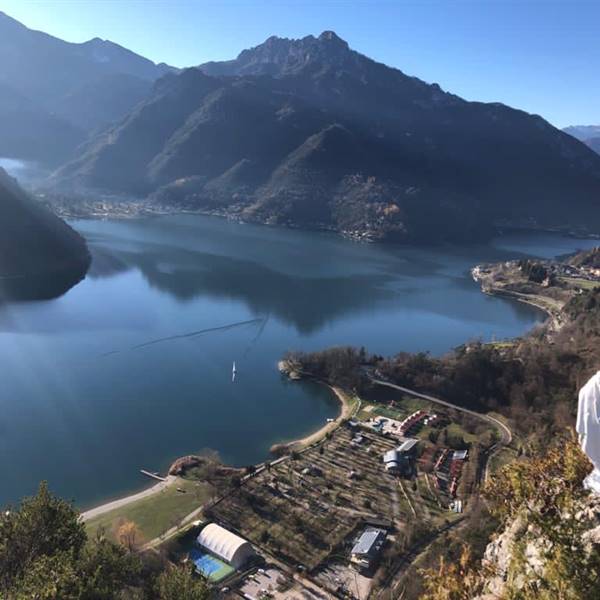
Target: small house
367, 548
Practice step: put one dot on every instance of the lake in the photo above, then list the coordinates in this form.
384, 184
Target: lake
132, 367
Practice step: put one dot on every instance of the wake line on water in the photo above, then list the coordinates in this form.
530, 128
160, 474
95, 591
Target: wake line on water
191, 334
258, 335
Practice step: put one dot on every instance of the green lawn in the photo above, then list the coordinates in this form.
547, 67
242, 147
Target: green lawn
403, 407
455, 429
584, 284
156, 514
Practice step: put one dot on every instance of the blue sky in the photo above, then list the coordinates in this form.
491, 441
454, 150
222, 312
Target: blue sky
541, 56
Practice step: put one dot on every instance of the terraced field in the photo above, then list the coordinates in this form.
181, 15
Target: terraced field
306, 508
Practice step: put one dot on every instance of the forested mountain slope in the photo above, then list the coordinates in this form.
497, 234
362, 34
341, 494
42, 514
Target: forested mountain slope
40, 255
311, 133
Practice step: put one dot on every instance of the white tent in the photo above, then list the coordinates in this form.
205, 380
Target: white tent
225, 545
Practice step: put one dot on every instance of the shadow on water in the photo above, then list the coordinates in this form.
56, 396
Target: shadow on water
43, 286
398, 276
193, 295
307, 303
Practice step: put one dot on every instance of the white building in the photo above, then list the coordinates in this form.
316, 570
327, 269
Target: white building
225, 545
367, 548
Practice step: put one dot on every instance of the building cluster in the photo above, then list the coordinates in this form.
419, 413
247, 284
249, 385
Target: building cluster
418, 418
220, 553
582, 272
447, 466
400, 460
407, 427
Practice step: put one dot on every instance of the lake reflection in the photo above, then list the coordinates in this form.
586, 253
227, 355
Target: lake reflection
132, 367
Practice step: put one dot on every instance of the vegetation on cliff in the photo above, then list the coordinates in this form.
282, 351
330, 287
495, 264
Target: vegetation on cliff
548, 553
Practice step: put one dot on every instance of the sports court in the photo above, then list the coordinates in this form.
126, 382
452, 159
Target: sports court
210, 566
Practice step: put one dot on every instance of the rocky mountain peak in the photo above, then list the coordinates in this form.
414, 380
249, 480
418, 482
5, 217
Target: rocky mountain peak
282, 56
331, 37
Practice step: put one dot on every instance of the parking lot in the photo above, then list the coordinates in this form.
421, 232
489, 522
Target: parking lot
271, 583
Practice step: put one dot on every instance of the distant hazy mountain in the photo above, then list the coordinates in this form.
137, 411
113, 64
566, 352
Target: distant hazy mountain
68, 89
588, 134
594, 144
40, 255
310, 133
583, 132
29, 131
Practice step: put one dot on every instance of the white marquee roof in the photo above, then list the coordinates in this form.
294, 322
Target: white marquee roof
221, 542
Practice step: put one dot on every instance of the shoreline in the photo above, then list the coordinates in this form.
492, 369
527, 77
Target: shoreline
552, 315
346, 409
101, 509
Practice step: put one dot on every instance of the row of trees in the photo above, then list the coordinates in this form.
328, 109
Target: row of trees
45, 554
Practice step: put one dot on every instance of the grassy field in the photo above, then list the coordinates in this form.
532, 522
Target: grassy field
584, 284
402, 407
156, 514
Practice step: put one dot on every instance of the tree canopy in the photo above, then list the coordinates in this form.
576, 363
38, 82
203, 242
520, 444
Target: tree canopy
45, 554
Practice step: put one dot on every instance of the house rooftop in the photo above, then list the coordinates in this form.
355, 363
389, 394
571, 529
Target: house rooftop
407, 445
370, 541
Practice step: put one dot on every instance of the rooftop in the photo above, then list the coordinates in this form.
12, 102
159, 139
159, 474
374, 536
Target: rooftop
407, 446
371, 539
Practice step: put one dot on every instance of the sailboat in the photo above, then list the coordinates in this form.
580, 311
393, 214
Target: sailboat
233, 372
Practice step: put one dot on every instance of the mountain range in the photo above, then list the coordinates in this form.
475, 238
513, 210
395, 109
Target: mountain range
40, 255
299, 132
54, 93
311, 133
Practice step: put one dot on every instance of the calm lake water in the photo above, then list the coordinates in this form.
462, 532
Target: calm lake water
132, 367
